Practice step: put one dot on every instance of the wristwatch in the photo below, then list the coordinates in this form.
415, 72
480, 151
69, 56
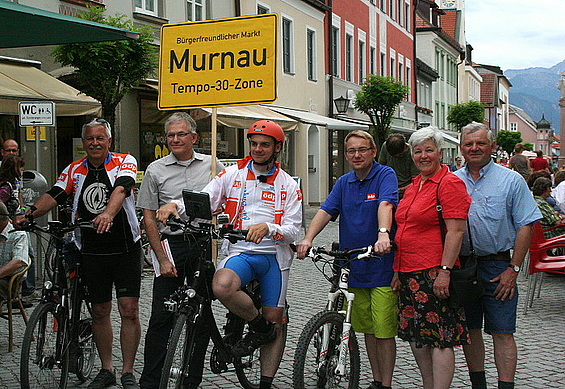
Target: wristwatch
514, 267
383, 230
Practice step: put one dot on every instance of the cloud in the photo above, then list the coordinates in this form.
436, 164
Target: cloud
516, 34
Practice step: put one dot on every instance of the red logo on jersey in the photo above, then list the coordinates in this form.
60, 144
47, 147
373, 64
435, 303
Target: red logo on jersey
129, 166
283, 195
279, 237
221, 173
299, 194
371, 196
237, 184
268, 196
63, 177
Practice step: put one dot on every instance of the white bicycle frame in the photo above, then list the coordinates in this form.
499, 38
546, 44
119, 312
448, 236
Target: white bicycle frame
332, 297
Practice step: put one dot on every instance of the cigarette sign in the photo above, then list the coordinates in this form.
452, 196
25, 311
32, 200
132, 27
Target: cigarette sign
218, 62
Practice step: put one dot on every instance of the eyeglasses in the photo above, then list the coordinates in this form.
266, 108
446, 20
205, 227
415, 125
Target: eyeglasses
13, 151
178, 134
362, 150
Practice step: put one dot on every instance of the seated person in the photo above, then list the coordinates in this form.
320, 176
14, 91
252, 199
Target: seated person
13, 251
541, 190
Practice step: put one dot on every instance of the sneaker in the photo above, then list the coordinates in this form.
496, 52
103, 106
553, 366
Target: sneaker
128, 381
104, 379
252, 341
374, 385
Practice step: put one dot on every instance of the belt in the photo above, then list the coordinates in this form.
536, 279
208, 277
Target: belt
501, 256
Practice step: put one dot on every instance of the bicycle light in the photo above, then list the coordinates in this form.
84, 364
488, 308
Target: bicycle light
170, 306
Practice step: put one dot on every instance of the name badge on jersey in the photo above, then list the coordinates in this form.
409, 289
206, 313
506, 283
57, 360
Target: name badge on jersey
371, 197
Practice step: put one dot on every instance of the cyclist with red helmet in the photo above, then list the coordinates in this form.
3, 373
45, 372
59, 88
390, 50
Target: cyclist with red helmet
262, 198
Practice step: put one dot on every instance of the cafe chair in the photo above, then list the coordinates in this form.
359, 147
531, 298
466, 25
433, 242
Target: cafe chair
541, 262
13, 304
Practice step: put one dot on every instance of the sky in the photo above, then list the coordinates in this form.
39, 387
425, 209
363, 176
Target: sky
516, 34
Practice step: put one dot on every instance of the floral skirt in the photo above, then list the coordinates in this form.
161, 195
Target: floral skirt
424, 318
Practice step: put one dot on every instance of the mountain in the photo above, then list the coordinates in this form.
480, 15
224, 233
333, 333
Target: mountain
535, 91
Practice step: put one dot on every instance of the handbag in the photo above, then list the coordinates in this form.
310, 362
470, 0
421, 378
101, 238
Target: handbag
465, 286
13, 204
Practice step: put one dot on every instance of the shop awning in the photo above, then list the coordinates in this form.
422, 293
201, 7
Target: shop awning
29, 26
23, 82
319, 120
243, 116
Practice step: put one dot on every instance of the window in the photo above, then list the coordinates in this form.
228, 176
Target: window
348, 57
311, 53
392, 67
383, 5
361, 61
383, 64
513, 126
261, 9
287, 45
391, 9
195, 10
400, 72
372, 59
335, 52
146, 6
407, 16
408, 77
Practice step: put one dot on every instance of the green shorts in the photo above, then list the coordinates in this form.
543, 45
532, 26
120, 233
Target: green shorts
375, 311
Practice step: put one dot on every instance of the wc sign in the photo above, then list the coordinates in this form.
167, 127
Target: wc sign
37, 113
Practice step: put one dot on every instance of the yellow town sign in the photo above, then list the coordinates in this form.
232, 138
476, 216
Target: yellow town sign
218, 62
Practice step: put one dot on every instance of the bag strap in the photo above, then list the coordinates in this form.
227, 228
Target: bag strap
442, 227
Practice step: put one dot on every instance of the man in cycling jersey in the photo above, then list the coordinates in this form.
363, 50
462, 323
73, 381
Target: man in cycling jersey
262, 198
102, 185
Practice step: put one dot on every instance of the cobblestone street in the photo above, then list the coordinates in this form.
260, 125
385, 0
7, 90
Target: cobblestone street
540, 346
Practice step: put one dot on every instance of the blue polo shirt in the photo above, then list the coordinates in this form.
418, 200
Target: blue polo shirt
357, 201
501, 202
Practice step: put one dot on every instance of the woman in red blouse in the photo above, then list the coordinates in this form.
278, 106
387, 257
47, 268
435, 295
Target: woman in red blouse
424, 260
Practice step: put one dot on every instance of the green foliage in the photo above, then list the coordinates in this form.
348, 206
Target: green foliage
528, 146
508, 139
108, 70
378, 98
462, 114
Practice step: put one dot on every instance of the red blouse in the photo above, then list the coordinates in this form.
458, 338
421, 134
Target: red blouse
418, 235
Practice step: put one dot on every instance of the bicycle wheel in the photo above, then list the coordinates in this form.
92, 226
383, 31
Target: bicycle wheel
39, 365
179, 350
85, 346
315, 363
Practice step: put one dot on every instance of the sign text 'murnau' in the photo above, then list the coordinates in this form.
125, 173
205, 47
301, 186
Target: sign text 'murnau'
217, 60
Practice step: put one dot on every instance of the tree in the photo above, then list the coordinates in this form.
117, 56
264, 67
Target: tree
108, 70
378, 98
528, 146
508, 139
462, 114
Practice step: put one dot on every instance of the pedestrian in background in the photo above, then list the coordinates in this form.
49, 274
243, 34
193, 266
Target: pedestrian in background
519, 162
395, 153
501, 217
539, 162
364, 200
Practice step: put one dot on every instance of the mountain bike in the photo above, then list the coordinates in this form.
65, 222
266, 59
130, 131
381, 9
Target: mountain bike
58, 337
327, 352
192, 303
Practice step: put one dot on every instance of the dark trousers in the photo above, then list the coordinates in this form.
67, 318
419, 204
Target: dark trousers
161, 322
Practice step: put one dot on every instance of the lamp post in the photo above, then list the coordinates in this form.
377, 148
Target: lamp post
341, 104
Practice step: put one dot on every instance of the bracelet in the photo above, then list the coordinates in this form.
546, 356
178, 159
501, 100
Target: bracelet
443, 267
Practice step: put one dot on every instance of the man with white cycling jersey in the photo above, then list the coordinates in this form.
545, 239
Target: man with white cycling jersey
262, 198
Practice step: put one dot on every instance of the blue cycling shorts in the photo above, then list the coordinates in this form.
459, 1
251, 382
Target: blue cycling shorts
273, 281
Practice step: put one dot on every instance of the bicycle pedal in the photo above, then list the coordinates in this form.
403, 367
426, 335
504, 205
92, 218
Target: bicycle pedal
217, 363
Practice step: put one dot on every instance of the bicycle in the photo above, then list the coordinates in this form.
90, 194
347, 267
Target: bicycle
58, 337
327, 352
193, 305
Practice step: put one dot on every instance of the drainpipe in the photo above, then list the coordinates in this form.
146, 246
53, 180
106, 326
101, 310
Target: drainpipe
330, 90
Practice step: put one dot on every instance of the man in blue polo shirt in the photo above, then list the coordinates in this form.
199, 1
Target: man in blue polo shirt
365, 199
501, 216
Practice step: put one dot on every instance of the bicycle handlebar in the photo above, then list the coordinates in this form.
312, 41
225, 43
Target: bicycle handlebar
55, 227
226, 231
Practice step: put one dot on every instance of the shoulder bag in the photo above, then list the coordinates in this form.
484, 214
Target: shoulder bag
464, 285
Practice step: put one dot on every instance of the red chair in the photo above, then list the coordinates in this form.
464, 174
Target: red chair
540, 262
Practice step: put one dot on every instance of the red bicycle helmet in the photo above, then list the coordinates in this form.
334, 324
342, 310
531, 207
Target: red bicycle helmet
268, 128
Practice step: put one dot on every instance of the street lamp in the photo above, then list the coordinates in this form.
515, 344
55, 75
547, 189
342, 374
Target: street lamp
341, 104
